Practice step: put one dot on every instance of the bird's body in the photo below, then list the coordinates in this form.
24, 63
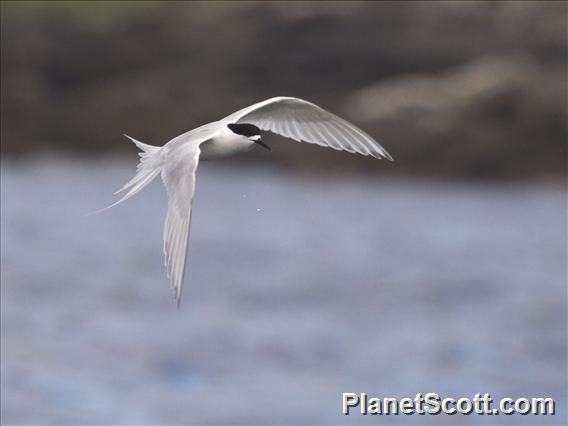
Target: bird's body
221, 141
177, 160
224, 143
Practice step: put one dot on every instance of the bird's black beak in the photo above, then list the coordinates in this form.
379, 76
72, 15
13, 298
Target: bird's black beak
262, 144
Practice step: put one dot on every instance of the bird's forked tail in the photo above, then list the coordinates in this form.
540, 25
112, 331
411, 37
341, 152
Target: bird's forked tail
150, 166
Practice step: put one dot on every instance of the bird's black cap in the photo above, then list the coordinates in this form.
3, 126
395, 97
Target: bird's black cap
244, 129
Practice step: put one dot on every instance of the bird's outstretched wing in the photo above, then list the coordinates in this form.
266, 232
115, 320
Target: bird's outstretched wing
304, 121
178, 175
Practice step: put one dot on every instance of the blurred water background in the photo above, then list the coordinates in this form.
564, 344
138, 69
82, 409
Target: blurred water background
311, 272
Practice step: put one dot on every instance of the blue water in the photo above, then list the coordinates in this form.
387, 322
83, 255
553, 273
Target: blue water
298, 288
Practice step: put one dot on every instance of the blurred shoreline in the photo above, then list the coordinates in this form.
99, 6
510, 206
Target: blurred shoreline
466, 90
381, 171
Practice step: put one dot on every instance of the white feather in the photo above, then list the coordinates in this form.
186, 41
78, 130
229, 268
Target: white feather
304, 121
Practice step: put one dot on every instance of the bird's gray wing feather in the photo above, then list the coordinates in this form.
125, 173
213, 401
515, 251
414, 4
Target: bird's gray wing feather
304, 121
178, 175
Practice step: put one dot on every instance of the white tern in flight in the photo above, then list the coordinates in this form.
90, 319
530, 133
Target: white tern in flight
177, 160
